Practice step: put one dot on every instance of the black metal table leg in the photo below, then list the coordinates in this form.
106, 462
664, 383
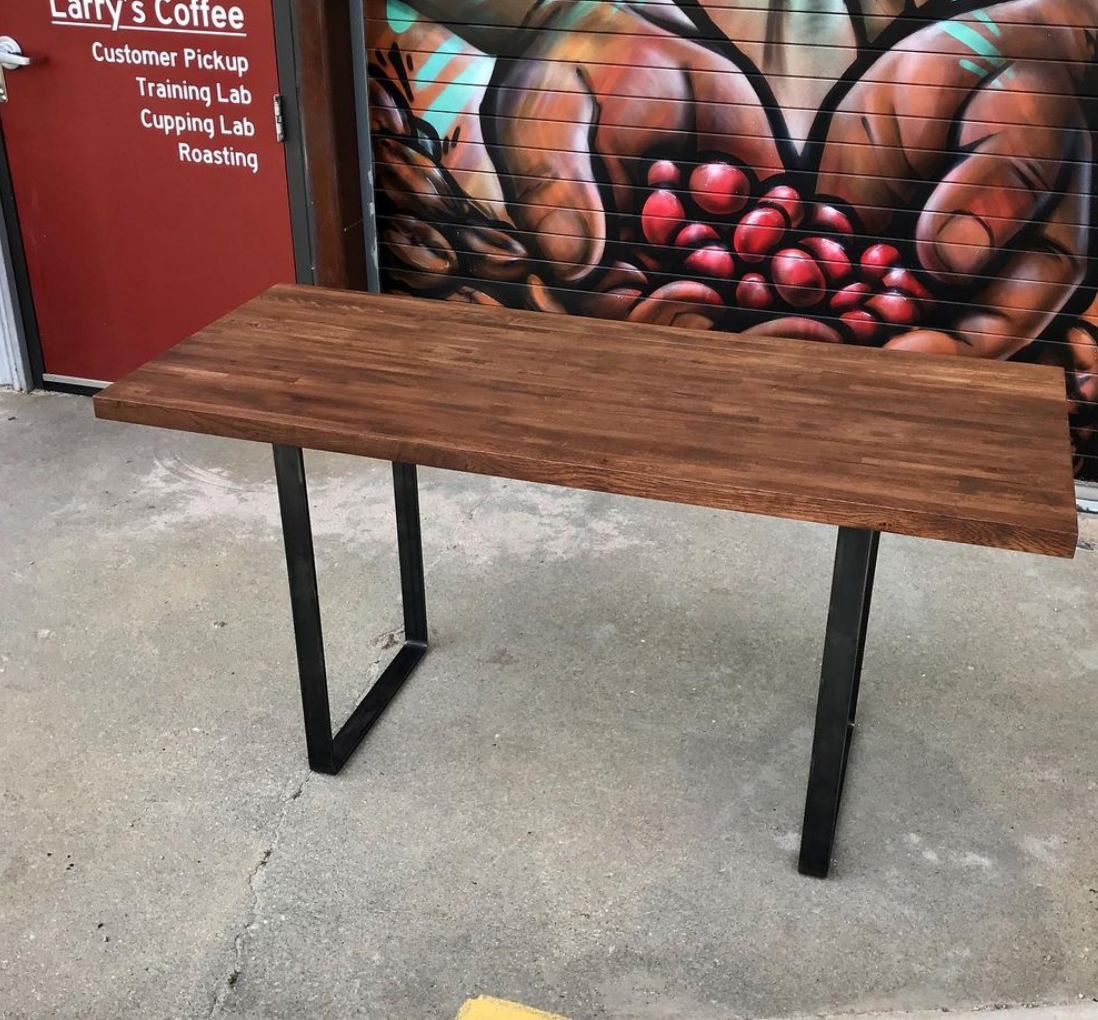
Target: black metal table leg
328, 753
844, 649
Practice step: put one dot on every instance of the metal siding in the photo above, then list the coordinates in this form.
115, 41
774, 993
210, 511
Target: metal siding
14, 368
515, 147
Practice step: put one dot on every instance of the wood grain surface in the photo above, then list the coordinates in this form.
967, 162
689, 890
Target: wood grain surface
950, 448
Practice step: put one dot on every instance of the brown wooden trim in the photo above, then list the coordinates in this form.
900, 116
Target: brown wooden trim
327, 96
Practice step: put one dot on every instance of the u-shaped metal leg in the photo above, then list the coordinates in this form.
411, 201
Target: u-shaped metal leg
327, 752
840, 676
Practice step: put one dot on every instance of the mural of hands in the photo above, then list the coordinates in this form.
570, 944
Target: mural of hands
976, 127
599, 88
619, 164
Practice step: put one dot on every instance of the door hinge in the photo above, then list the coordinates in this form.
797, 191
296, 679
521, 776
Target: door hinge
280, 124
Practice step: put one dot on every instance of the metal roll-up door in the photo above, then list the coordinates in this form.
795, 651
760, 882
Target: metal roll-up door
890, 173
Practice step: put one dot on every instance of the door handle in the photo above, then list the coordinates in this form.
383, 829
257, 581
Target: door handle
12, 58
12, 55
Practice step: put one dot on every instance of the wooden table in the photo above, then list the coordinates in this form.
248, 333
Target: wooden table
949, 448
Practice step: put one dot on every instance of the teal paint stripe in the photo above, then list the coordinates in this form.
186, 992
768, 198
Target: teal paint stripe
454, 44
968, 36
989, 21
400, 16
968, 65
433, 67
438, 114
577, 12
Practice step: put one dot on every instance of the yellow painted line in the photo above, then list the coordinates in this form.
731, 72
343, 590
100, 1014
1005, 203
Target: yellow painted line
486, 1008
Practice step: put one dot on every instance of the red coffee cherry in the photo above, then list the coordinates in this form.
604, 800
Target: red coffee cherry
834, 260
759, 232
877, 260
662, 216
754, 292
713, 260
719, 188
908, 282
853, 295
694, 234
863, 325
788, 199
894, 307
664, 174
797, 277
827, 217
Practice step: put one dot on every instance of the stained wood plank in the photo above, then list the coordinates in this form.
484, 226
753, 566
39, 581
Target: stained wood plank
957, 449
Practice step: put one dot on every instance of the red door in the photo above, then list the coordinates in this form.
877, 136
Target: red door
149, 180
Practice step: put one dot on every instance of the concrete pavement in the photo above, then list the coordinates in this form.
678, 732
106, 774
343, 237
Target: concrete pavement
587, 798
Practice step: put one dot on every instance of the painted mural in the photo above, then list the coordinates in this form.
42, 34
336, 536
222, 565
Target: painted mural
911, 175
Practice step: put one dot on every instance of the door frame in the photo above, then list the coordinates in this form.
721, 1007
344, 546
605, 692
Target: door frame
293, 78
324, 35
26, 325
13, 355
288, 69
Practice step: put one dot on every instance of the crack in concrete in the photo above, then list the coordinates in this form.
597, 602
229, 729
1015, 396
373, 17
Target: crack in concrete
381, 642
222, 993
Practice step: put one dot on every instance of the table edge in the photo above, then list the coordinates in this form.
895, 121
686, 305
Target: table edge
1060, 542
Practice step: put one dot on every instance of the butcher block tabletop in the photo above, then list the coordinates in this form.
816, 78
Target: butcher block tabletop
951, 448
